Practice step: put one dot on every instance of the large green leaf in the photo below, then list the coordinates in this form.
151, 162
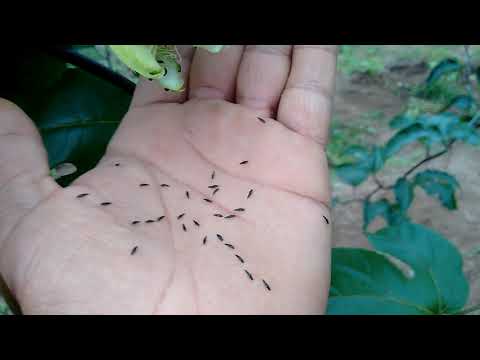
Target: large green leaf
77, 118
445, 67
364, 282
408, 136
436, 262
440, 185
28, 74
404, 193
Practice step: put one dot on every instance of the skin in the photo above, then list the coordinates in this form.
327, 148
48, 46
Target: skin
64, 255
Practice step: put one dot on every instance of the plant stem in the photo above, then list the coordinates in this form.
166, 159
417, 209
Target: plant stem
71, 56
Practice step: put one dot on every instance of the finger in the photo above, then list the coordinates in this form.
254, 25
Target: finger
24, 171
306, 102
213, 76
151, 92
262, 77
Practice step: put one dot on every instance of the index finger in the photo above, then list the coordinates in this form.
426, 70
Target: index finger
306, 102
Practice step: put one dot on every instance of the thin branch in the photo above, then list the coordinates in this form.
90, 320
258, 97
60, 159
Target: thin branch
71, 56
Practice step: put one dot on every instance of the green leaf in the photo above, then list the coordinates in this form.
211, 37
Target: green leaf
439, 283
353, 174
364, 282
464, 132
442, 122
371, 210
408, 136
27, 74
357, 153
377, 159
404, 194
445, 67
402, 121
463, 103
77, 118
440, 185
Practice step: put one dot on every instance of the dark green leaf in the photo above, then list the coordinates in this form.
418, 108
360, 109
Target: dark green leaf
28, 74
404, 193
439, 283
402, 121
364, 282
442, 122
408, 136
371, 210
464, 132
377, 159
440, 185
77, 119
445, 67
353, 174
463, 103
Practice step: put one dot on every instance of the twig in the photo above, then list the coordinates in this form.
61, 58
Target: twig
71, 56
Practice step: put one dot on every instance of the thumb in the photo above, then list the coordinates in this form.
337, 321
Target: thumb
24, 171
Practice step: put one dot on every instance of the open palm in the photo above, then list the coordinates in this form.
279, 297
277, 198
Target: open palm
214, 200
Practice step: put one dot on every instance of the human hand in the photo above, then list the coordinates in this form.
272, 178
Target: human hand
63, 253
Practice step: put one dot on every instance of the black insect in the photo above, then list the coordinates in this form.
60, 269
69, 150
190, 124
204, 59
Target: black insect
142, 185
239, 209
204, 240
81, 196
326, 220
239, 258
165, 185
187, 194
230, 216
218, 215
215, 191
117, 164
134, 250
266, 285
184, 227
248, 274
150, 221
135, 222
196, 222
208, 200
220, 237
230, 246
160, 218
213, 186
180, 216
244, 162
262, 120
106, 203
213, 175
167, 90
250, 193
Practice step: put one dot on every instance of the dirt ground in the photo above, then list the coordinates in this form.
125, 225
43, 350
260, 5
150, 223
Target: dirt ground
359, 96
